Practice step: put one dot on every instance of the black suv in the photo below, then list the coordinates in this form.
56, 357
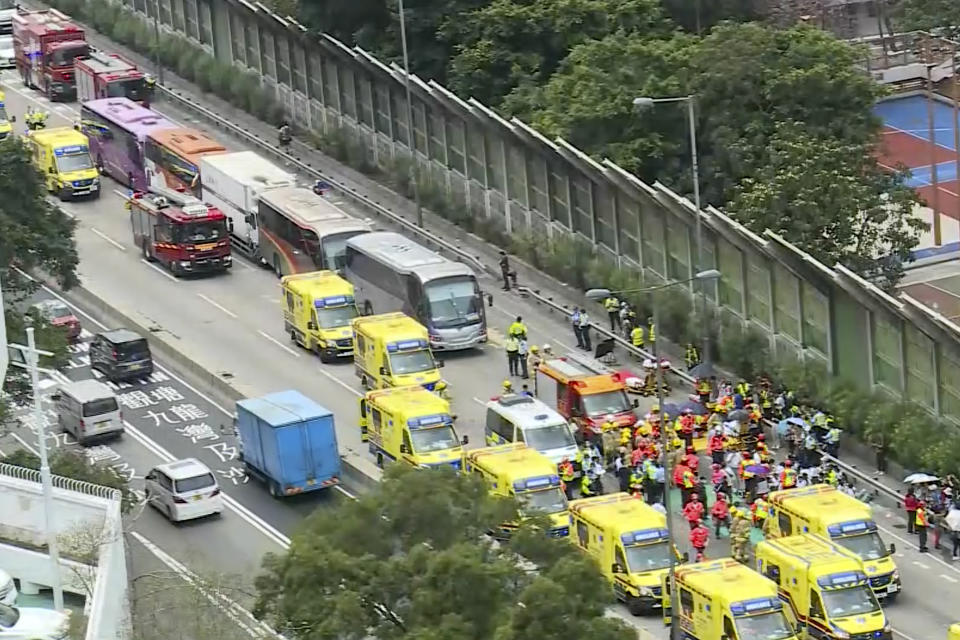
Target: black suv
121, 354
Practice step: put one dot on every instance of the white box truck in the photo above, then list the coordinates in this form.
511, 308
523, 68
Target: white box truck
233, 182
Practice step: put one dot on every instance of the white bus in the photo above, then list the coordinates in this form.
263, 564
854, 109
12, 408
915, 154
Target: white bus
391, 273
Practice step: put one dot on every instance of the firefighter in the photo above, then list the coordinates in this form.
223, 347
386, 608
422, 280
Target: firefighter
567, 476
720, 513
612, 306
740, 536
692, 356
699, 537
441, 390
704, 389
788, 477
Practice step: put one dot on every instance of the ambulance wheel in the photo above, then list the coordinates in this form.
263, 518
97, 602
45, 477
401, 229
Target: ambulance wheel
276, 266
635, 606
380, 460
322, 353
293, 337
892, 597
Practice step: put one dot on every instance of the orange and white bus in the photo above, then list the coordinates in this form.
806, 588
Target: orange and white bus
172, 158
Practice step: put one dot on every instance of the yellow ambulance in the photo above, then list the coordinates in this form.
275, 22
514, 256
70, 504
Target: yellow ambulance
823, 510
628, 540
515, 470
412, 425
725, 600
826, 592
62, 154
317, 310
6, 128
393, 350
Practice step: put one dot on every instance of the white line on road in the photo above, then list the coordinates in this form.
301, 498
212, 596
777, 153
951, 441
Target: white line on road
25, 444
902, 634
218, 306
948, 578
243, 618
913, 546
159, 270
921, 565
108, 239
278, 343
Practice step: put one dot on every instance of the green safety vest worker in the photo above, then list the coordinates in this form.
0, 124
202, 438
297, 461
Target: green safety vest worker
743, 388
585, 490
832, 477
517, 329
651, 334
512, 345
636, 482
567, 473
611, 304
636, 337
692, 356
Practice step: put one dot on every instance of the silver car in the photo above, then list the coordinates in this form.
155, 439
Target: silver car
7, 58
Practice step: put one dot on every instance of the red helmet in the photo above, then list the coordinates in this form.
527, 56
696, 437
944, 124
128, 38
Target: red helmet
689, 449
788, 463
761, 437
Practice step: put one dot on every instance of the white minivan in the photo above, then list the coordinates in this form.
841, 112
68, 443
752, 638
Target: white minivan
183, 490
88, 409
521, 418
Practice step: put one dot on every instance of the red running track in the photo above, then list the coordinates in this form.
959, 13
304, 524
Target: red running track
898, 148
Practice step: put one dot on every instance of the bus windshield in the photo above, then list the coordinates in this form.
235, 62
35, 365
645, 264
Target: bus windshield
765, 626
332, 317
854, 601
648, 557
131, 88
74, 162
453, 302
554, 436
335, 250
868, 546
597, 404
205, 231
411, 362
546, 501
434, 439
64, 57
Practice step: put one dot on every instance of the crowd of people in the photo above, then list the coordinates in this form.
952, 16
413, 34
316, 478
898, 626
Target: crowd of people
933, 508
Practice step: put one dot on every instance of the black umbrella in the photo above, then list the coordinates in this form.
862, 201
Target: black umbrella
695, 408
603, 348
671, 409
740, 415
703, 370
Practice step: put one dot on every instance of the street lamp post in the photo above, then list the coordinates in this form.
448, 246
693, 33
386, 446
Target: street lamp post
600, 294
691, 101
410, 135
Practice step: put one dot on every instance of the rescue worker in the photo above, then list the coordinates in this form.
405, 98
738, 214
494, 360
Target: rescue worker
586, 486
699, 537
693, 511
535, 358
720, 512
832, 478
715, 445
788, 477
149, 89
517, 329
636, 337
759, 511
832, 440
546, 351
704, 390
920, 524
512, 346
743, 388
691, 459
651, 331
523, 353
692, 356
507, 387
739, 536
636, 482
567, 476
441, 390
284, 134
612, 307
505, 270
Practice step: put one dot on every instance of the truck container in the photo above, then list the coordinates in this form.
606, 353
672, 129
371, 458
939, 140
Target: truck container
288, 442
46, 44
233, 182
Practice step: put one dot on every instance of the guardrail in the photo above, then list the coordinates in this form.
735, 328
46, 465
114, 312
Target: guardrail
338, 186
61, 482
642, 353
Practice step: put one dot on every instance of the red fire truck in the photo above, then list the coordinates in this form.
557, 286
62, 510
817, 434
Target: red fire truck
45, 44
108, 75
179, 231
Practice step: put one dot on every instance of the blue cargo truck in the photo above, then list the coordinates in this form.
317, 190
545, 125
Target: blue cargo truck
288, 441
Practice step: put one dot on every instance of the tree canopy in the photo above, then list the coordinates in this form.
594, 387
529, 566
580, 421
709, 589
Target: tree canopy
410, 561
930, 15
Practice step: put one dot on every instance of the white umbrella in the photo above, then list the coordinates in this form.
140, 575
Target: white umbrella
953, 519
920, 478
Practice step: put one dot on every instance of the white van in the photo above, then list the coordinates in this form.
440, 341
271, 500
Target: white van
88, 409
183, 490
520, 418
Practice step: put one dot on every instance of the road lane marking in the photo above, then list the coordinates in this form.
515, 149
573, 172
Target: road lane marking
913, 546
243, 618
278, 343
159, 270
921, 565
25, 444
108, 239
218, 306
948, 578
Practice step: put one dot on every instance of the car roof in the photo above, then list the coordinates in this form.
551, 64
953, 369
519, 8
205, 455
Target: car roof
186, 468
88, 390
525, 411
118, 336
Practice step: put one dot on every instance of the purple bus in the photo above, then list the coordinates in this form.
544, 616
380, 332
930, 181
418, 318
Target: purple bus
117, 129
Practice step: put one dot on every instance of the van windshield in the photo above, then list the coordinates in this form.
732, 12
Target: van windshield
453, 302
554, 436
764, 626
854, 601
74, 162
434, 439
868, 546
411, 362
99, 407
194, 484
335, 250
134, 350
598, 404
648, 557
544, 501
332, 317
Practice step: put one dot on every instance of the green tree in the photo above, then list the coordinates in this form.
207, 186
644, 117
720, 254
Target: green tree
699, 16
830, 197
930, 14
74, 464
511, 43
410, 561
